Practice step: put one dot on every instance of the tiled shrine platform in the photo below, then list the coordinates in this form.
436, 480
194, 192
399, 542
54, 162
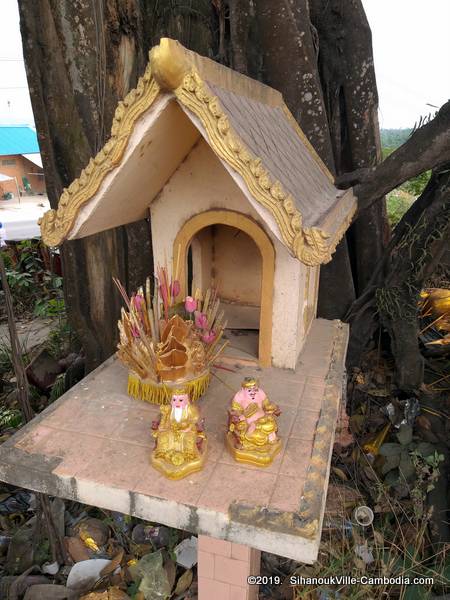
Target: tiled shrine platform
93, 445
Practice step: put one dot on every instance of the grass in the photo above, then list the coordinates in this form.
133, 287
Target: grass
398, 202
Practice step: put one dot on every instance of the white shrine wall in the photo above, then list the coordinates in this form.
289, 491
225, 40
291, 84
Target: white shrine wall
200, 184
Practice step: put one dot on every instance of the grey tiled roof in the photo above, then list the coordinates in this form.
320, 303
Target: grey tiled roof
269, 134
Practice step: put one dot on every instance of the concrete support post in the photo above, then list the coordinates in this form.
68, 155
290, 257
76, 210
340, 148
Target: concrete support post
224, 568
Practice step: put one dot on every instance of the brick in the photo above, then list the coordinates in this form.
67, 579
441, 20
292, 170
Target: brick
231, 571
304, 426
238, 593
240, 552
214, 546
287, 493
212, 590
233, 482
253, 592
205, 564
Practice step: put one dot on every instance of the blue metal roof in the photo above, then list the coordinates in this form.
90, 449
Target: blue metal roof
18, 139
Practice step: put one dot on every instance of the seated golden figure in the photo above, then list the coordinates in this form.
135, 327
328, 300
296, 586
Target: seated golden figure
180, 442
252, 426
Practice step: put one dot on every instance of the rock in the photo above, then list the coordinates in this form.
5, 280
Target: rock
49, 592
92, 528
75, 372
65, 362
12, 398
43, 370
76, 549
50, 568
14, 587
20, 552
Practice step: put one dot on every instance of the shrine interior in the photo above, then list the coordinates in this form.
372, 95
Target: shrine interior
227, 259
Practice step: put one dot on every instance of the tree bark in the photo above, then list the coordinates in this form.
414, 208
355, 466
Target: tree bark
351, 99
81, 58
419, 244
415, 259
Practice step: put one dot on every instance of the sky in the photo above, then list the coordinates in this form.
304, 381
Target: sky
411, 47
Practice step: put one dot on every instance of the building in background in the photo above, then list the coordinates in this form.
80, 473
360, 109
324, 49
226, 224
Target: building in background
20, 162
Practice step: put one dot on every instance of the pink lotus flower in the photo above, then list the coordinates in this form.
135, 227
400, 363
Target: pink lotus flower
208, 337
201, 320
190, 304
175, 288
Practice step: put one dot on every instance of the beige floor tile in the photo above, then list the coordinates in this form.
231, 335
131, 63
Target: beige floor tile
305, 423
231, 483
296, 458
287, 493
186, 490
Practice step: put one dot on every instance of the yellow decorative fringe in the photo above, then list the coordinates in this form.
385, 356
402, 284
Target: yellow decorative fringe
160, 393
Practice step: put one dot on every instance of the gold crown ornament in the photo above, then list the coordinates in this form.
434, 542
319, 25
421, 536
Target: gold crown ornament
250, 382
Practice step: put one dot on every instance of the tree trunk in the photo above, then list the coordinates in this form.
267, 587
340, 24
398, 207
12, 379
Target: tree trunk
420, 242
81, 58
415, 258
351, 99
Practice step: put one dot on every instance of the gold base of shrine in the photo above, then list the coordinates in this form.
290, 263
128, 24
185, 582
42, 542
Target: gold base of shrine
161, 393
252, 457
180, 471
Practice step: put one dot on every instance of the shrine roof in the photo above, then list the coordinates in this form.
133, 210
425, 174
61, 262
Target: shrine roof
246, 124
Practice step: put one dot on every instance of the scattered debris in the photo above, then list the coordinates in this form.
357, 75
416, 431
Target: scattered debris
363, 515
83, 575
186, 552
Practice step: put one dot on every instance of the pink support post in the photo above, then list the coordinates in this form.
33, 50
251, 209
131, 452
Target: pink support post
224, 568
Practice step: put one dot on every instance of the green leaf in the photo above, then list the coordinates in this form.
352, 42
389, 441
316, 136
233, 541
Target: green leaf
391, 461
390, 449
404, 434
392, 478
406, 466
425, 449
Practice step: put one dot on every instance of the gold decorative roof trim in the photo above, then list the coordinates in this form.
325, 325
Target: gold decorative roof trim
170, 68
170, 62
311, 245
56, 224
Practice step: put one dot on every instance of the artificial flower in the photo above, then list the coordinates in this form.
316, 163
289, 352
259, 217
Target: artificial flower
208, 337
175, 288
201, 320
190, 304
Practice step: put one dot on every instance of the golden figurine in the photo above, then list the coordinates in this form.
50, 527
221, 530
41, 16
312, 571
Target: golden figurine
180, 441
252, 427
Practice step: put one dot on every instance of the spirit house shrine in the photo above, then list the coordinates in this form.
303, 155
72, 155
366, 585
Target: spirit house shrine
239, 200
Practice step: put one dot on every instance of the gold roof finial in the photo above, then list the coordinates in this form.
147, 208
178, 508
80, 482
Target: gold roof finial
168, 64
